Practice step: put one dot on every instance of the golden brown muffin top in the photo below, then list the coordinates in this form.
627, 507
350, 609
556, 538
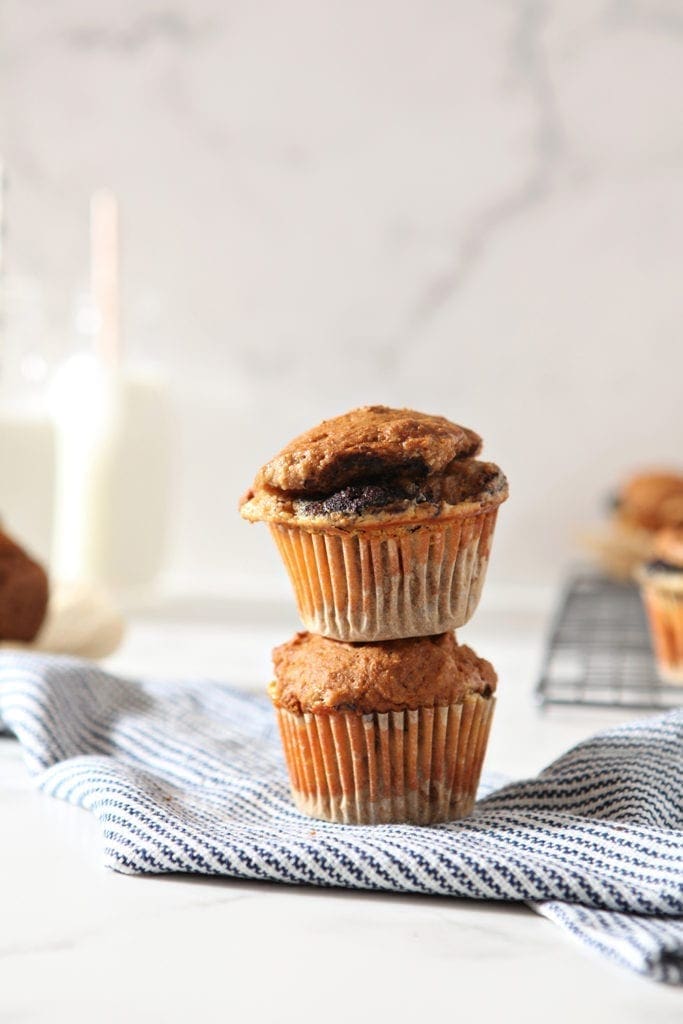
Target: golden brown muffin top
319, 675
373, 442
652, 501
375, 465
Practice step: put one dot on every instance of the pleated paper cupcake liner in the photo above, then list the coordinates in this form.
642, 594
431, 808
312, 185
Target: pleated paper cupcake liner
420, 766
665, 613
385, 583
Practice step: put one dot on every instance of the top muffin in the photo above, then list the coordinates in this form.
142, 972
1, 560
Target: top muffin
373, 461
367, 443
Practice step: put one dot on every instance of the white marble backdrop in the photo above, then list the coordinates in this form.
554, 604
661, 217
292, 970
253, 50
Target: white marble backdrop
471, 208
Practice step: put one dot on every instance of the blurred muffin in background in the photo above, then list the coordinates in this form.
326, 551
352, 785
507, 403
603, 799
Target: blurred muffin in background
69, 617
643, 505
23, 592
661, 581
650, 501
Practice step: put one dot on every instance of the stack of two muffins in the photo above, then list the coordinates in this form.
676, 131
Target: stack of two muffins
384, 519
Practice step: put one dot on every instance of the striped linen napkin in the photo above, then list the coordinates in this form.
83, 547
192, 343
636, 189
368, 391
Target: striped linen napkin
190, 777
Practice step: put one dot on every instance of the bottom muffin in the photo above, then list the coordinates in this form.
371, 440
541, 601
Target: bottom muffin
392, 731
661, 582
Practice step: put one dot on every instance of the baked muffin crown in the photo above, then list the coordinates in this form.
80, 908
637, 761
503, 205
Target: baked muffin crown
372, 442
652, 500
314, 674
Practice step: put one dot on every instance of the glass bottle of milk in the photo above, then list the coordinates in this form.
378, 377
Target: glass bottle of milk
112, 439
26, 429
112, 444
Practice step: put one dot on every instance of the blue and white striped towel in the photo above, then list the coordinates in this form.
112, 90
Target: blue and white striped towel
190, 777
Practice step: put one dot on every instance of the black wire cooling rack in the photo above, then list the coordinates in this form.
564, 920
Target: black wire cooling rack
599, 651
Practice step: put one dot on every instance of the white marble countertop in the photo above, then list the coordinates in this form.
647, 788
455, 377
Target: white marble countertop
79, 943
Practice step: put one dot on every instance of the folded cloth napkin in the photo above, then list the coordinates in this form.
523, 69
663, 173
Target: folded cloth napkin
190, 777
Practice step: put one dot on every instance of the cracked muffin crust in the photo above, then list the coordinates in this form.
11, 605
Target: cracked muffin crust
372, 442
313, 674
377, 464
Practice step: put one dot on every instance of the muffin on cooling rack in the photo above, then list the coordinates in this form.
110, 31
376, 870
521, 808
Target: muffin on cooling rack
643, 505
393, 731
384, 519
661, 581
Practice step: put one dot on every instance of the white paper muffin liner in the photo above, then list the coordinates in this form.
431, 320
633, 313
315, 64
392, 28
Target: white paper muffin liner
384, 583
420, 766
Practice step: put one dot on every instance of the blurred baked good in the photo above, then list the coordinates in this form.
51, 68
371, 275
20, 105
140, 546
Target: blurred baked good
661, 581
650, 501
23, 592
644, 504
